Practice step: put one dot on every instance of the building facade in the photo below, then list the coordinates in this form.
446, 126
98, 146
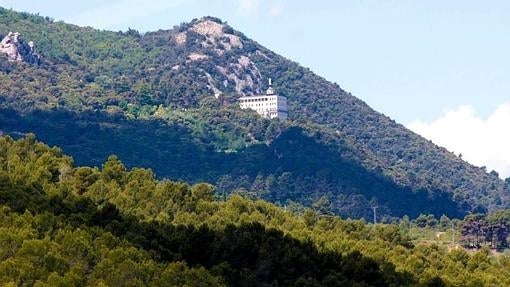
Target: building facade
269, 105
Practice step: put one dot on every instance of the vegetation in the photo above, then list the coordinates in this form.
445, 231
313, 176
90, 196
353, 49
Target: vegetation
492, 230
141, 97
62, 225
283, 164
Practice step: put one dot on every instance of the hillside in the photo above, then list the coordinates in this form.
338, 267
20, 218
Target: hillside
150, 100
62, 225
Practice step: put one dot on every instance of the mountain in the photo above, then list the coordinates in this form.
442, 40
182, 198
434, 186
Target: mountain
62, 225
167, 100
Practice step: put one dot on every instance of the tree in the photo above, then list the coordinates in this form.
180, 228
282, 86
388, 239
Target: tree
113, 169
202, 191
444, 222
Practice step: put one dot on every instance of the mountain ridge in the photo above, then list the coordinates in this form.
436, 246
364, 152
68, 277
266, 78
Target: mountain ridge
156, 75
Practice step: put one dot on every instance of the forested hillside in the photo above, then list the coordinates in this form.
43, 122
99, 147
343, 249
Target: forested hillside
151, 99
62, 225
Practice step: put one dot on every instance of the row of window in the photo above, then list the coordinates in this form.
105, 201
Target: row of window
254, 100
265, 110
260, 105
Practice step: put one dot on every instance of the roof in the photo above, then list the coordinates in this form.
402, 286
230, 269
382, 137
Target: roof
259, 96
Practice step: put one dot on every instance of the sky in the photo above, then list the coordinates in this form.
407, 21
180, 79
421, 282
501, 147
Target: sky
439, 67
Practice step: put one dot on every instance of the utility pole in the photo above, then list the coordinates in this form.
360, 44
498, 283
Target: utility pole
453, 235
375, 214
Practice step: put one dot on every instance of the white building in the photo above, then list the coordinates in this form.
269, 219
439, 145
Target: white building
269, 105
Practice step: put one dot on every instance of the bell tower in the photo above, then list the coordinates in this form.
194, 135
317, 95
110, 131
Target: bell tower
270, 90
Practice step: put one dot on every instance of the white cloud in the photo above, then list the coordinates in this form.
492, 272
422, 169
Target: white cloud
275, 10
255, 7
482, 142
248, 6
116, 13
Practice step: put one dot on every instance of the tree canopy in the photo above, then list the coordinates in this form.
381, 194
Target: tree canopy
113, 226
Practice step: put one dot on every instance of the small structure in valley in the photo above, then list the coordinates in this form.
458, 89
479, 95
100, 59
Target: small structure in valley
268, 105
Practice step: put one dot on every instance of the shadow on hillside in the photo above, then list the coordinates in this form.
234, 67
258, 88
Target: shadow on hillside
295, 166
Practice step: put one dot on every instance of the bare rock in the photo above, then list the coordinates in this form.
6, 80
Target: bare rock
215, 36
197, 57
181, 38
14, 46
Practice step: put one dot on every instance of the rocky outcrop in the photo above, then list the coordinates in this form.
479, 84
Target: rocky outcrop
244, 74
14, 46
197, 57
215, 36
235, 72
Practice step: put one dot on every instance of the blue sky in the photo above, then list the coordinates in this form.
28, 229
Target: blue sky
428, 64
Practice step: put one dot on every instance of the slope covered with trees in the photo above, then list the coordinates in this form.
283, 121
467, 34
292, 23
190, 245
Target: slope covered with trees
150, 99
62, 225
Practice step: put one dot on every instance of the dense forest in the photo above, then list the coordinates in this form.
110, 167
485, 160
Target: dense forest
291, 168
62, 225
149, 98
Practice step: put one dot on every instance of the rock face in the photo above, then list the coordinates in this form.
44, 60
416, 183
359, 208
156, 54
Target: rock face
14, 46
234, 73
215, 36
